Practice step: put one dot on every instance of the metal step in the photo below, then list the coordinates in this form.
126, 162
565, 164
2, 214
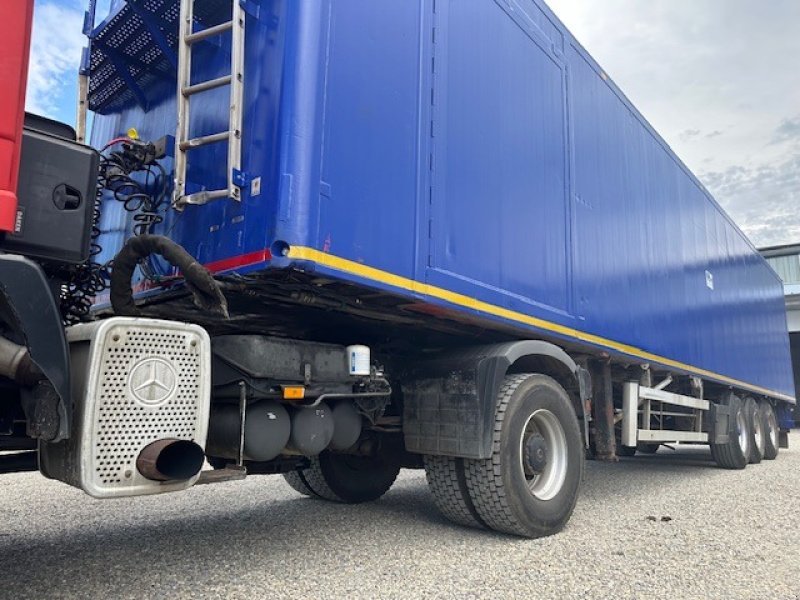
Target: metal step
204, 34
204, 197
204, 140
206, 85
229, 473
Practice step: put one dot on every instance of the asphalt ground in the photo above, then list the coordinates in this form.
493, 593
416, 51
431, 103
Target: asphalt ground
665, 526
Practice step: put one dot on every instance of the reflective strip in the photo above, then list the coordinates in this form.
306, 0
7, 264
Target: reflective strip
367, 272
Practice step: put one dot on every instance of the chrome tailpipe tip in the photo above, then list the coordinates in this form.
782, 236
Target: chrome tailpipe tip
170, 460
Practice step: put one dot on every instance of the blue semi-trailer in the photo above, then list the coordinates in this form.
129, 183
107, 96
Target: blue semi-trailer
418, 233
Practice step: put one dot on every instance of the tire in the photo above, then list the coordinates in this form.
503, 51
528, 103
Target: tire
345, 478
645, 448
217, 462
735, 453
513, 492
447, 483
625, 451
771, 430
758, 439
297, 483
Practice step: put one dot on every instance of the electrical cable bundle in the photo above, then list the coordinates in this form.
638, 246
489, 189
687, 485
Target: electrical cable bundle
116, 176
134, 196
83, 282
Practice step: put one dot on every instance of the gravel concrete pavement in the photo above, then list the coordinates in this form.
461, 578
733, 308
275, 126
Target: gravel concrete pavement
729, 534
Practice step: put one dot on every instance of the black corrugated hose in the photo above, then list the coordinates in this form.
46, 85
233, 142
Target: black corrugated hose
205, 290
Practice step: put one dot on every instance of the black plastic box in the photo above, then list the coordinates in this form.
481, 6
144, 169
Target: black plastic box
56, 191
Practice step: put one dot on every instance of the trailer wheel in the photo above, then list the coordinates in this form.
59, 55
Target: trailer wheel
530, 484
641, 448
346, 478
447, 483
758, 433
646, 448
771, 430
735, 453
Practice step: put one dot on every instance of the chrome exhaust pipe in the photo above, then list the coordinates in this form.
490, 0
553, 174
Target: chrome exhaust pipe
170, 460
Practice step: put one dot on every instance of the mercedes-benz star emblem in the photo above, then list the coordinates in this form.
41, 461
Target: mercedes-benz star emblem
152, 381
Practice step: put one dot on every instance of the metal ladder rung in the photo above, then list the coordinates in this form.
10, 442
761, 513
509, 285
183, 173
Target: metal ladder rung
205, 140
206, 196
203, 34
206, 85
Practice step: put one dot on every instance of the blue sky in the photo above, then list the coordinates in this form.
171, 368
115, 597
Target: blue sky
52, 73
55, 55
717, 78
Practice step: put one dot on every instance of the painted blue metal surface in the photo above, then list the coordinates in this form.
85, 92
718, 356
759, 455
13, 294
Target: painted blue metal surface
223, 229
472, 147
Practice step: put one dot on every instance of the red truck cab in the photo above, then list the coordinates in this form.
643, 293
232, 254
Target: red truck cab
15, 30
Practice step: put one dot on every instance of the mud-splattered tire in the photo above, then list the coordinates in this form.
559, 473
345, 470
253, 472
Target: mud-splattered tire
448, 485
529, 486
345, 478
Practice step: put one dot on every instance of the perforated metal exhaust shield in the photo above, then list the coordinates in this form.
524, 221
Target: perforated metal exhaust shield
137, 381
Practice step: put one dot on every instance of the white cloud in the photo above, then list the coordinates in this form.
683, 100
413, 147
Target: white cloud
764, 195
718, 79
55, 55
788, 131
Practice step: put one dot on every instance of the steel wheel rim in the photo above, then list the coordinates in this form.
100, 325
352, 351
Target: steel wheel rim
547, 484
758, 430
772, 427
741, 427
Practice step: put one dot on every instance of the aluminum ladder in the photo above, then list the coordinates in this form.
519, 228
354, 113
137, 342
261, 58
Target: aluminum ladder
187, 37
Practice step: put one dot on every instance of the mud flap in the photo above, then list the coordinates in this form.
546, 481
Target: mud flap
28, 305
720, 423
450, 401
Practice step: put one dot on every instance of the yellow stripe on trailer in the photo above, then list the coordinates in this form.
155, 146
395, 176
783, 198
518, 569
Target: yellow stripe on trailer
365, 271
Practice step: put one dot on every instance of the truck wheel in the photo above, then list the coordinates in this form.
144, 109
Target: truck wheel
771, 430
625, 450
735, 453
447, 483
298, 483
530, 484
758, 431
345, 477
216, 462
